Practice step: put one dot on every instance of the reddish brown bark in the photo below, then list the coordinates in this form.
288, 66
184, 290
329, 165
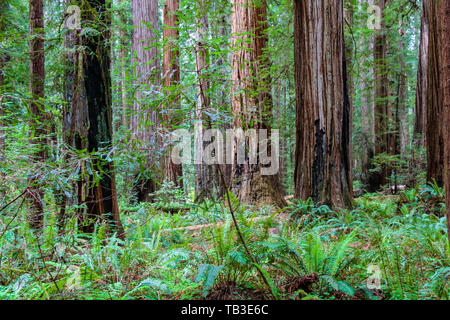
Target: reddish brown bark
37, 108
381, 116
434, 96
88, 116
145, 120
445, 85
171, 76
251, 100
322, 169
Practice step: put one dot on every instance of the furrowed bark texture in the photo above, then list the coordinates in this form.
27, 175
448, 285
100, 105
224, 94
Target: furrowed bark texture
349, 57
445, 85
251, 100
171, 76
145, 120
37, 109
88, 117
434, 96
322, 169
382, 143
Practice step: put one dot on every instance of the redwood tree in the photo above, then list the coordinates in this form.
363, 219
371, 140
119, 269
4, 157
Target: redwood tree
88, 115
381, 113
434, 95
37, 109
322, 168
444, 14
171, 76
145, 119
251, 100
437, 14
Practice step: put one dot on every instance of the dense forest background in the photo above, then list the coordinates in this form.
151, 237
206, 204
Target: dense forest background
93, 205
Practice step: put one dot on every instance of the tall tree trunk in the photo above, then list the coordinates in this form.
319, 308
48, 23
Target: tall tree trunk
349, 52
420, 123
367, 120
203, 172
434, 96
379, 178
372, 96
251, 100
367, 111
171, 74
88, 116
322, 169
223, 102
38, 118
145, 119
123, 72
278, 115
445, 85
74, 126
3, 60
402, 103
398, 133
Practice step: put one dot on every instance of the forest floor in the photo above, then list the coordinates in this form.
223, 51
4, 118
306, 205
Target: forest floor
387, 247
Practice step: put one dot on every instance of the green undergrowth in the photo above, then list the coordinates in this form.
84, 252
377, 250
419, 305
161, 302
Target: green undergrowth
193, 251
